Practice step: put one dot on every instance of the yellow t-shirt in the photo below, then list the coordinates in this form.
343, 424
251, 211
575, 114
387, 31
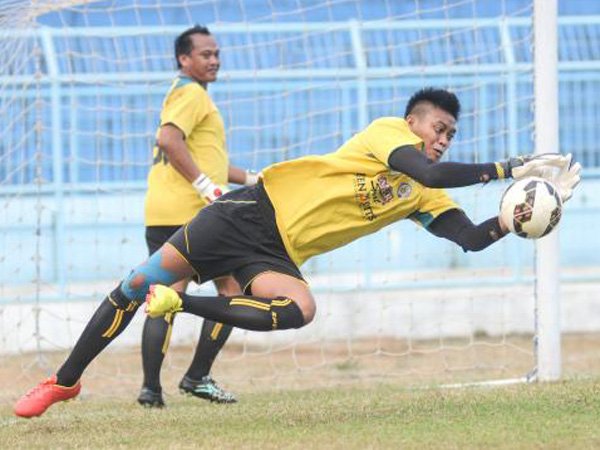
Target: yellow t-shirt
324, 202
170, 198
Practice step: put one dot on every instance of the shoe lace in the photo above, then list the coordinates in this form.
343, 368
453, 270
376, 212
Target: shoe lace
33, 391
207, 379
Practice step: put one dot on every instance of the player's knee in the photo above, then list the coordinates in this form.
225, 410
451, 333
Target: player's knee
309, 310
286, 314
306, 304
134, 286
121, 301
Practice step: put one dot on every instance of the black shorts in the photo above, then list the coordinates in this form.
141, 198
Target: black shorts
156, 236
236, 235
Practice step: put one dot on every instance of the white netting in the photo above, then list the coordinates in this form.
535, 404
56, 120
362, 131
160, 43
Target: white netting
81, 92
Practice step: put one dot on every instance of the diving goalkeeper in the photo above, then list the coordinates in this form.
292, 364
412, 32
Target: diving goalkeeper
304, 207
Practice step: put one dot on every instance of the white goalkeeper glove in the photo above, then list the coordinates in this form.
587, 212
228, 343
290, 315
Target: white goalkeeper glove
566, 178
207, 189
251, 178
529, 165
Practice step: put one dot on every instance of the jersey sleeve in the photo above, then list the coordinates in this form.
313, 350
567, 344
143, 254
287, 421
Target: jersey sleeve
185, 107
385, 135
434, 202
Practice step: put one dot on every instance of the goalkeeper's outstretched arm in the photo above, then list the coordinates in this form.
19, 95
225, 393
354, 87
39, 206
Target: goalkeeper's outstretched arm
407, 159
415, 164
455, 226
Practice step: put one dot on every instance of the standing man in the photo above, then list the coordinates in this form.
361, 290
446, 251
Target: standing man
190, 170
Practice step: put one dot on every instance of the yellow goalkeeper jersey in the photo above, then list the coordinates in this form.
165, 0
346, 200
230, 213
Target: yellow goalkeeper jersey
170, 198
324, 202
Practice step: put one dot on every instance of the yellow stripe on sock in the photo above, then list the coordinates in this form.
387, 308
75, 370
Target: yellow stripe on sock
131, 307
500, 171
250, 303
283, 302
112, 302
115, 324
165, 345
214, 334
274, 319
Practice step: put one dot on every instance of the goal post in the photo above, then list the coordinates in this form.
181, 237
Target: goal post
548, 351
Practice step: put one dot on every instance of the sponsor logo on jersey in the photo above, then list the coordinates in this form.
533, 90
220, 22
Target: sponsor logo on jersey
363, 196
371, 192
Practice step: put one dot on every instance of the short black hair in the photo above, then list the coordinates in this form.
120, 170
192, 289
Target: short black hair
440, 98
183, 42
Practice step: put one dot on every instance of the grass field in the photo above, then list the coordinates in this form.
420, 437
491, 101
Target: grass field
554, 415
289, 400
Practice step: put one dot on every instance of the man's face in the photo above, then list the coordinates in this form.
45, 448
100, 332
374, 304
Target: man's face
202, 64
435, 127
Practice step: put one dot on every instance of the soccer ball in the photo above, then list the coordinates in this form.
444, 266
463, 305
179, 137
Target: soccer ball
531, 207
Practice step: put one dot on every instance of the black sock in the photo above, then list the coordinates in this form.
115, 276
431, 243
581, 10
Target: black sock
212, 338
247, 312
155, 342
105, 325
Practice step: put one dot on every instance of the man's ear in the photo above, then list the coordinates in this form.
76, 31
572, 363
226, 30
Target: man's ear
182, 59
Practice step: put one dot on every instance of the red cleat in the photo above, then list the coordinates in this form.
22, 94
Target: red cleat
41, 397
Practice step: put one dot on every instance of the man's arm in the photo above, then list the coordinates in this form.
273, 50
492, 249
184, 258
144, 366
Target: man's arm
171, 141
415, 164
409, 160
455, 226
240, 176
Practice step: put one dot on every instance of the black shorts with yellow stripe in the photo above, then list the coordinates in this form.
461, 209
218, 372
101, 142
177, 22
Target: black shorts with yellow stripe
156, 236
236, 235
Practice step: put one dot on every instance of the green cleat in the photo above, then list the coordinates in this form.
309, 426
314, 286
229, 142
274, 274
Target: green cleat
207, 389
162, 300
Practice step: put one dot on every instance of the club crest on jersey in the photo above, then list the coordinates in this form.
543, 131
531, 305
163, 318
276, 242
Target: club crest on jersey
404, 190
385, 190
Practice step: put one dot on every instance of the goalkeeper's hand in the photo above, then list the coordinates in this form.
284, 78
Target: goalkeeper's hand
566, 178
529, 165
207, 189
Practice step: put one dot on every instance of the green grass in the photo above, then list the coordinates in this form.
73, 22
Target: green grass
553, 415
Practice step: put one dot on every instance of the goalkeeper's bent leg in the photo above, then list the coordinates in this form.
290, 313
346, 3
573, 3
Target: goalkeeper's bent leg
105, 325
279, 302
248, 312
116, 311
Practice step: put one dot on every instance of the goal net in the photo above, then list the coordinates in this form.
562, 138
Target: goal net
82, 84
